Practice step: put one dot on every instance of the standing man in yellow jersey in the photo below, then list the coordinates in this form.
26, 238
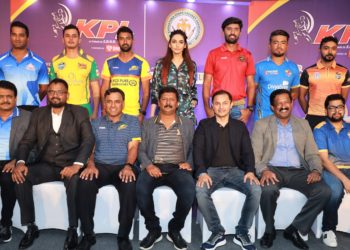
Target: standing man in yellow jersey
125, 71
78, 69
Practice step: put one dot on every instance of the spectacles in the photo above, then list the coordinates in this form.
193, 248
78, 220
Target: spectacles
58, 92
334, 108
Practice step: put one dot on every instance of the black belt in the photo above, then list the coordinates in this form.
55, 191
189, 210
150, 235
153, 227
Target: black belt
289, 168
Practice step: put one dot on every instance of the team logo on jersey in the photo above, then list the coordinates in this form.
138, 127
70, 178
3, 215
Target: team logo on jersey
188, 21
134, 67
30, 67
338, 75
123, 126
132, 82
288, 72
242, 58
61, 65
271, 72
82, 66
317, 75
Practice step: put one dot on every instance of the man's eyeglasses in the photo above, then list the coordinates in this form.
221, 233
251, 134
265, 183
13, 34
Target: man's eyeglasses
334, 108
57, 92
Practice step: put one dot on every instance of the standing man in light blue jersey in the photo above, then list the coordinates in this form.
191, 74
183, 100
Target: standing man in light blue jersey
24, 68
276, 72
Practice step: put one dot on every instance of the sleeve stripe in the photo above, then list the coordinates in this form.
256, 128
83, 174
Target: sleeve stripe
136, 139
323, 150
294, 87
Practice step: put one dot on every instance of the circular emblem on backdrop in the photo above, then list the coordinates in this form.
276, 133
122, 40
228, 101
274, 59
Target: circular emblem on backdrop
188, 21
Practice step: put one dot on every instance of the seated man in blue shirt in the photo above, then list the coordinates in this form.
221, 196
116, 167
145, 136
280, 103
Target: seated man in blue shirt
286, 156
332, 139
13, 124
112, 162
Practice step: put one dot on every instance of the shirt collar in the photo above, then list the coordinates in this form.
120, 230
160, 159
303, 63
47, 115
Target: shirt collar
176, 121
29, 54
80, 52
320, 65
224, 48
280, 124
269, 59
122, 119
331, 127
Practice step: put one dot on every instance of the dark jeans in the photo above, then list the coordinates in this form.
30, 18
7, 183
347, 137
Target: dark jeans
314, 120
330, 212
231, 177
8, 196
317, 196
88, 189
179, 180
42, 172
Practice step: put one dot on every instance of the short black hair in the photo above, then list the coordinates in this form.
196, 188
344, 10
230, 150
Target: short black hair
115, 90
333, 97
20, 25
124, 29
232, 20
279, 92
8, 85
168, 89
57, 81
329, 39
71, 27
221, 92
279, 33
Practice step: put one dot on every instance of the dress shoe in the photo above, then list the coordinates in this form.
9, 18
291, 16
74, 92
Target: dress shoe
124, 244
267, 239
71, 241
86, 242
29, 237
291, 233
5, 234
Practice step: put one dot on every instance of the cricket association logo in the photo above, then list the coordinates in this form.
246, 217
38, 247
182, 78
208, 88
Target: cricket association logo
188, 21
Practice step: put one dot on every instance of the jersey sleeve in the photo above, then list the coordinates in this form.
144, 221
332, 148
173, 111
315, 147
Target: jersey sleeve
94, 74
320, 139
43, 76
52, 73
304, 79
145, 71
346, 82
209, 64
296, 79
106, 74
250, 65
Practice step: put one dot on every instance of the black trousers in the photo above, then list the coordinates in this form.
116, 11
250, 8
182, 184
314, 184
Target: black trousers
42, 172
314, 120
8, 196
88, 189
317, 195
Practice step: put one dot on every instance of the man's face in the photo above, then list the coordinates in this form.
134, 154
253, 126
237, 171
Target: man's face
232, 33
114, 104
328, 51
168, 103
71, 39
278, 45
125, 41
18, 38
282, 107
335, 110
7, 100
222, 106
57, 95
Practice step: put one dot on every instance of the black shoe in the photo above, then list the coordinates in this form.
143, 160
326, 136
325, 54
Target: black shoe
124, 244
151, 238
176, 238
86, 242
291, 233
29, 237
71, 241
267, 239
5, 234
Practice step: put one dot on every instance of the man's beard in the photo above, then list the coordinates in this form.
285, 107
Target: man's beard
231, 40
278, 54
125, 50
332, 119
324, 58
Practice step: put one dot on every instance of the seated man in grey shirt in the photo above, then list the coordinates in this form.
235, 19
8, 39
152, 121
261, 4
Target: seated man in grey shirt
165, 154
286, 156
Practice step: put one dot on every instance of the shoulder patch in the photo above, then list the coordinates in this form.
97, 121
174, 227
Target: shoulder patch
320, 125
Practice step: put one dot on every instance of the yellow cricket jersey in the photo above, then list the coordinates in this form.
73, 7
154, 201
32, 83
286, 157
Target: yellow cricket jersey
127, 76
78, 72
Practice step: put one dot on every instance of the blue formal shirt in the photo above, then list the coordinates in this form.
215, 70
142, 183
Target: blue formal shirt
286, 154
5, 131
112, 138
26, 75
269, 76
337, 144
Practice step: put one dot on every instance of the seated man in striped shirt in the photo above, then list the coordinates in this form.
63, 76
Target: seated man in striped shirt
112, 162
166, 158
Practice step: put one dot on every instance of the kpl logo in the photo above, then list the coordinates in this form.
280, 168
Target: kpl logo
98, 29
327, 30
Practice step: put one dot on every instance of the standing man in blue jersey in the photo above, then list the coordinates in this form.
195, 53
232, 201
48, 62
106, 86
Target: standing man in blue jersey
24, 68
276, 72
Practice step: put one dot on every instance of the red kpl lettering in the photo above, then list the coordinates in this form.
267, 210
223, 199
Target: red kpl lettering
85, 27
325, 30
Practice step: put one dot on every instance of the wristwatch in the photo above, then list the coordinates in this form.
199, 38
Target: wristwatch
129, 164
250, 108
143, 112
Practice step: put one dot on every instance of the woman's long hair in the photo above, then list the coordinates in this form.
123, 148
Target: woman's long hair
166, 61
